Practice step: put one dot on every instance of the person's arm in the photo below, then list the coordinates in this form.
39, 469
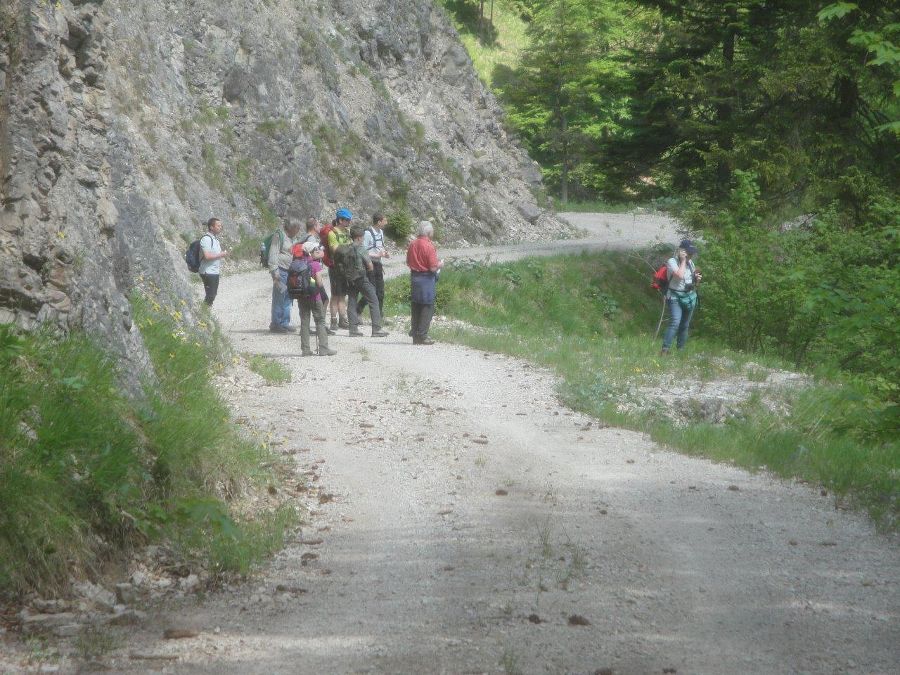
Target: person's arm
208, 252
682, 261
433, 263
369, 244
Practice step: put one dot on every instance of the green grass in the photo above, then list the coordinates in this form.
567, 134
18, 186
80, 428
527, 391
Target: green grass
270, 370
591, 318
86, 471
499, 45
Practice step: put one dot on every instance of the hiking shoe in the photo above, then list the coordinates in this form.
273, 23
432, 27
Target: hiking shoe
306, 352
343, 323
380, 333
355, 333
325, 351
333, 323
278, 329
423, 341
331, 331
664, 351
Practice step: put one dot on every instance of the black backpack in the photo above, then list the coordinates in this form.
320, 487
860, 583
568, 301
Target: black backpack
193, 255
299, 280
345, 262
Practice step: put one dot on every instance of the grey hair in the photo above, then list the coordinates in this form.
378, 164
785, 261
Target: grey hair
425, 229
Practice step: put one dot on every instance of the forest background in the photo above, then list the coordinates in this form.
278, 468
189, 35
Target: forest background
772, 129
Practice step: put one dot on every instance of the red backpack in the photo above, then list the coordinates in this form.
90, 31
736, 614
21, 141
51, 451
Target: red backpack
660, 280
323, 237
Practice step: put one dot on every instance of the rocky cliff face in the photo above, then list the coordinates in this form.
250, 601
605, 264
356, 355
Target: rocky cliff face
124, 125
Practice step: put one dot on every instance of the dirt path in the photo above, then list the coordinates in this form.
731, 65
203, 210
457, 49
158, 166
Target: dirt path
477, 526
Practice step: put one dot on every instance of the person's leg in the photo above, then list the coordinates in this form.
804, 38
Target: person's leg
368, 292
333, 300
304, 306
210, 287
378, 274
318, 312
281, 303
415, 313
425, 321
674, 322
683, 325
363, 301
352, 313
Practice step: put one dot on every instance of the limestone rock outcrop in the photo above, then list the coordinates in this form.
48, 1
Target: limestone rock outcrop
124, 125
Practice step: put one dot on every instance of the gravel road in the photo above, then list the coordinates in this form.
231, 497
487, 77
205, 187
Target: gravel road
464, 521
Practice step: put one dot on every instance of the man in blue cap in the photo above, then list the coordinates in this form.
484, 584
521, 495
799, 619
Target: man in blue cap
338, 236
681, 296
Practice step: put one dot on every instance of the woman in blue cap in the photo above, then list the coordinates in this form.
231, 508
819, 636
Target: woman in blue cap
681, 296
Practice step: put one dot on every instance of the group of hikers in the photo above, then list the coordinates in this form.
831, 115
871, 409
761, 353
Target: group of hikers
351, 258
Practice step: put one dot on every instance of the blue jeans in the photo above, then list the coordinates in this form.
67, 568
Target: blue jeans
281, 302
679, 322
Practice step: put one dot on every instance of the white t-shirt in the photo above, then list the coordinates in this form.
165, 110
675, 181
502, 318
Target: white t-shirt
675, 283
209, 242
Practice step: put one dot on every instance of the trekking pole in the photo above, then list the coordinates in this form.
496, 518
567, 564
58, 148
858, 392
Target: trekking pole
662, 315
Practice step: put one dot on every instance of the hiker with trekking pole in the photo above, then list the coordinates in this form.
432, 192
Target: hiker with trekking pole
678, 279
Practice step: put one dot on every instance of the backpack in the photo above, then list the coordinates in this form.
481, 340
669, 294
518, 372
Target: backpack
323, 237
299, 280
265, 246
345, 262
194, 255
660, 280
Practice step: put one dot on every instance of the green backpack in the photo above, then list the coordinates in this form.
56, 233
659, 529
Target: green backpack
345, 262
266, 245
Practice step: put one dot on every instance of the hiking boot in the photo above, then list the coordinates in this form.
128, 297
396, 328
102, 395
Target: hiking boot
307, 352
343, 323
278, 329
426, 341
331, 331
380, 333
664, 351
355, 333
290, 329
325, 351
334, 323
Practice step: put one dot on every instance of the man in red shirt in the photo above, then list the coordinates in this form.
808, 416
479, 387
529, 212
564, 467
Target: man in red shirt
423, 263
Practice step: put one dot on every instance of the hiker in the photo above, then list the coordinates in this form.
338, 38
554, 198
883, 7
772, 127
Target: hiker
423, 263
211, 259
312, 230
373, 240
313, 304
356, 273
280, 256
336, 237
681, 296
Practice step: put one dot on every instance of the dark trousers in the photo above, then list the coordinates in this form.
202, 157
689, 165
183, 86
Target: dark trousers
376, 277
364, 286
421, 320
317, 309
211, 286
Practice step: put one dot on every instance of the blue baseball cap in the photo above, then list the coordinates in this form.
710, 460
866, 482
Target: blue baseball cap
688, 246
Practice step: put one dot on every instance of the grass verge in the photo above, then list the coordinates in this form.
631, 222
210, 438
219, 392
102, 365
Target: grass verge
268, 369
86, 472
591, 319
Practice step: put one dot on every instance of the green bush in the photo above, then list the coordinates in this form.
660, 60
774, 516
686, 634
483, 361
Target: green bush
822, 292
86, 471
400, 225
